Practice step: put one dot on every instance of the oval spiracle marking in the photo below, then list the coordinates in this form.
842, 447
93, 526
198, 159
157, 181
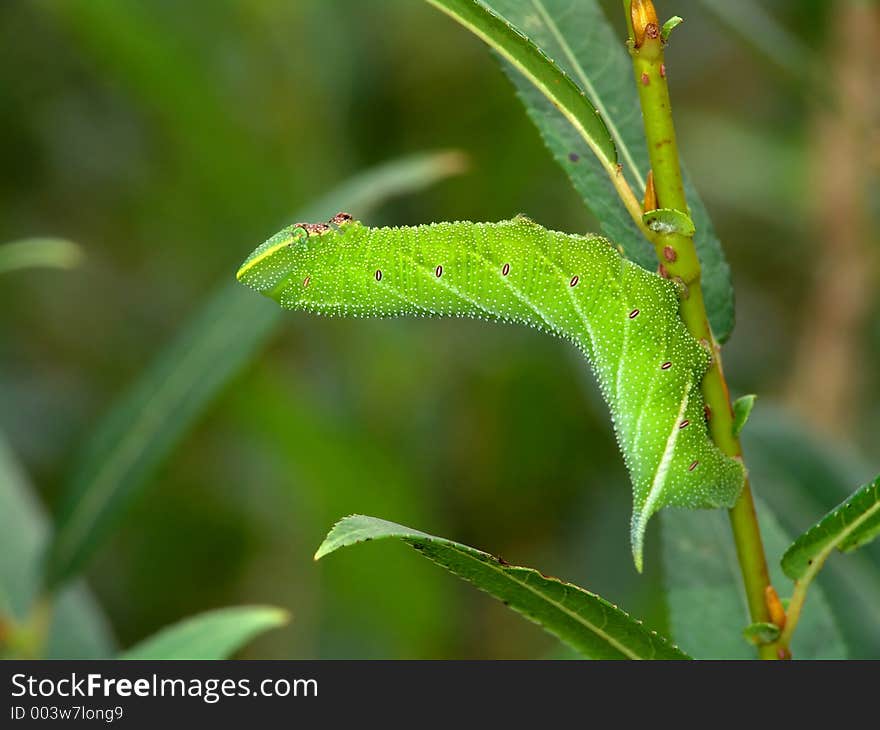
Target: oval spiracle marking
307, 281
634, 314
693, 466
574, 280
438, 272
505, 270
666, 365
378, 274
684, 424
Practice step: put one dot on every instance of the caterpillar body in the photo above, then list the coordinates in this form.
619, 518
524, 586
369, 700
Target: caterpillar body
622, 317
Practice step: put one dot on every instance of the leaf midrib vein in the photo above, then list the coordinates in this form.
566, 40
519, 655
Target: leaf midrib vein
591, 90
623, 649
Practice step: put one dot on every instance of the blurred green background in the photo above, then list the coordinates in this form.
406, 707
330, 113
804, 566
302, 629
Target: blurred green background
170, 138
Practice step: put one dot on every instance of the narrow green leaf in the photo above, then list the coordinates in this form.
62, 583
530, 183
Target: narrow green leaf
538, 69
78, 629
761, 633
848, 526
39, 252
800, 472
669, 26
583, 620
742, 409
623, 318
577, 35
707, 607
120, 456
212, 635
669, 220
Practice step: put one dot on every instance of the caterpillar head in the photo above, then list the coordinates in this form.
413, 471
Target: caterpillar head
261, 277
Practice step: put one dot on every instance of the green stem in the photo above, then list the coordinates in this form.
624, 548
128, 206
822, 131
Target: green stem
796, 604
678, 260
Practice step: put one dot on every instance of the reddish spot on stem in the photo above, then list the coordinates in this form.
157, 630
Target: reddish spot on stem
669, 254
574, 280
663, 70
662, 271
645, 79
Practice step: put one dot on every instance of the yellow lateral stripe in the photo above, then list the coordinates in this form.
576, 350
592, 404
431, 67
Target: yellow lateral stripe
248, 265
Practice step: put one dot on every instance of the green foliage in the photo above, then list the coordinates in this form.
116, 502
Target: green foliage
201, 144
212, 635
669, 26
586, 622
761, 633
39, 252
669, 220
742, 409
577, 35
153, 416
808, 472
518, 50
848, 526
623, 318
707, 611
78, 628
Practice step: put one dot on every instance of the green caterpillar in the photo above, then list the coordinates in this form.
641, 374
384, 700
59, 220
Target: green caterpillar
623, 318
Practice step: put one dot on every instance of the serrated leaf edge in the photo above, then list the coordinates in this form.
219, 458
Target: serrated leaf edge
494, 562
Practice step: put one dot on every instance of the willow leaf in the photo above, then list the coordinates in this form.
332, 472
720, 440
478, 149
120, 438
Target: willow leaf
707, 607
669, 220
848, 526
808, 472
56, 253
623, 318
79, 629
586, 622
212, 635
578, 36
539, 70
742, 409
761, 633
669, 26
121, 454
